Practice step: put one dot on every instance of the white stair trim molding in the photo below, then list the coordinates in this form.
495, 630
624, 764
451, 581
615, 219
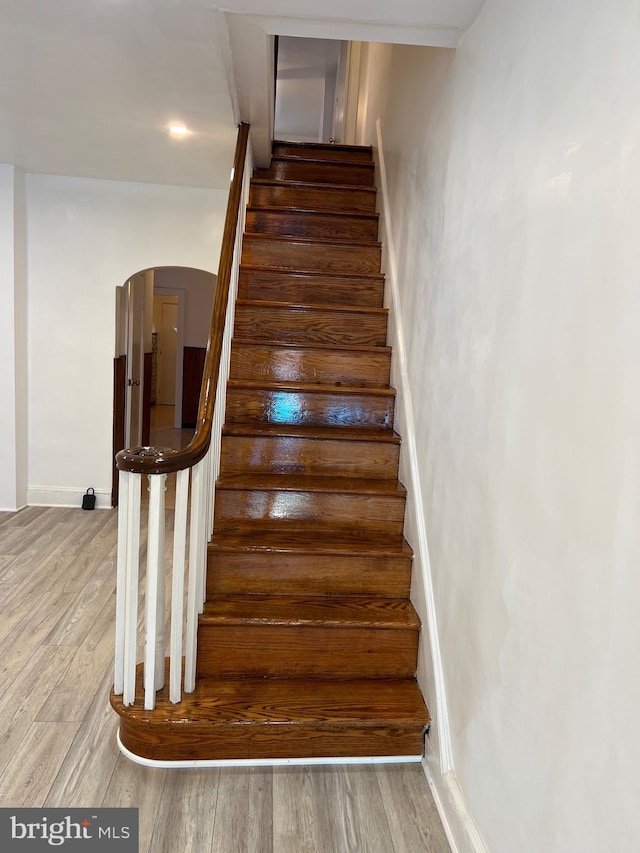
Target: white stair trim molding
421, 561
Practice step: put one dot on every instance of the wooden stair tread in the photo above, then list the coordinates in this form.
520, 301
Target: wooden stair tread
311, 483
312, 345
324, 242
320, 306
307, 387
296, 210
291, 702
310, 185
312, 432
326, 146
371, 276
306, 541
297, 610
315, 161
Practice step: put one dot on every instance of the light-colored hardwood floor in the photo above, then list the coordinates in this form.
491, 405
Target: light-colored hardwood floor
57, 736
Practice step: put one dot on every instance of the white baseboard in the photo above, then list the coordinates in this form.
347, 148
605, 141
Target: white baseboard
65, 496
457, 819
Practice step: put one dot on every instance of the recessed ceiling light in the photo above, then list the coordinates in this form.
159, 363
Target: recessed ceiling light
178, 130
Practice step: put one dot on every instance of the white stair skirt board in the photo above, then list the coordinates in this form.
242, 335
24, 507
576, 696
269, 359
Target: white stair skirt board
421, 561
265, 762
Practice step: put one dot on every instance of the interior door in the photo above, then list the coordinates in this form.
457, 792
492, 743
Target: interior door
167, 349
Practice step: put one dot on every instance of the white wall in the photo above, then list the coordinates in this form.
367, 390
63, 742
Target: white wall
513, 187
85, 238
13, 336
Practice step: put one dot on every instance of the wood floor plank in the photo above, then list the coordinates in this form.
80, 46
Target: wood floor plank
28, 556
102, 548
85, 606
410, 810
186, 812
27, 595
20, 705
88, 767
301, 820
71, 697
133, 786
243, 818
17, 647
357, 815
28, 776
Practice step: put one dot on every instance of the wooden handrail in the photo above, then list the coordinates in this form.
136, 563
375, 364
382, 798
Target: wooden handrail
164, 460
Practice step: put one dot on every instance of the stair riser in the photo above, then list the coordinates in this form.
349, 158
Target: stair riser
171, 742
293, 364
282, 454
304, 289
238, 509
320, 225
351, 174
266, 406
300, 651
347, 200
259, 251
324, 152
307, 574
310, 325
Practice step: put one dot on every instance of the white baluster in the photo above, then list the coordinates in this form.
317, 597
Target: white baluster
122, 571
196, 534
177, 585
154, 643
133, 484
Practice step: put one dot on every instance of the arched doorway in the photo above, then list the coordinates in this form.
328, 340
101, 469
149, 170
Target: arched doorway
162, 326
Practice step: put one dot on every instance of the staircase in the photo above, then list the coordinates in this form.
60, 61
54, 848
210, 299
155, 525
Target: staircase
307, 646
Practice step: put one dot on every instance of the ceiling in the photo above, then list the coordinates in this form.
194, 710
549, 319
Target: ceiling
89, 87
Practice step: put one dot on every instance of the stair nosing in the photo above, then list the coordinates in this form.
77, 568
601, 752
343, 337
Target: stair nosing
285, 158
326, 484
292, 431
379, 277
289, 611
319, 388
320, 241
287, 182
213, 695
276, 541
370, 349
314, 306
286, 210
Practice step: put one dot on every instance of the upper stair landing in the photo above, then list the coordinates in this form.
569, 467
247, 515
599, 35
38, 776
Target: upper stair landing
319, 163
323, 151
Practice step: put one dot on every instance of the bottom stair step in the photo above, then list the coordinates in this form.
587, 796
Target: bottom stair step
273, 719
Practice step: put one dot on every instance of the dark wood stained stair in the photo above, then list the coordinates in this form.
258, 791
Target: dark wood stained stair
307, 647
